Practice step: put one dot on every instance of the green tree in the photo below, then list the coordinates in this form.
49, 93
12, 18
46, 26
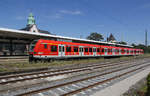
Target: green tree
141, 46
95, 36
122, 42
133, 45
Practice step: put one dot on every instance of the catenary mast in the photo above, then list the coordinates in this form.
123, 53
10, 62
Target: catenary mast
145, 37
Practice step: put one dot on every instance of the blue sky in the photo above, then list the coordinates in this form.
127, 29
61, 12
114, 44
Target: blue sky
126, 19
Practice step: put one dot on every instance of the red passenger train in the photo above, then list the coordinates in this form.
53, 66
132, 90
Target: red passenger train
48, 49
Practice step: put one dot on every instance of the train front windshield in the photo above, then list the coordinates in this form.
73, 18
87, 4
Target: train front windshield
32, 45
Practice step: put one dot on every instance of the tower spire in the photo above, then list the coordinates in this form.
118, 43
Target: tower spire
31, 20
146, 37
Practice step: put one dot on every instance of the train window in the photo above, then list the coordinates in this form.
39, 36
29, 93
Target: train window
109, 50
112, 50
94, 49
102, 49
31, 47
75, 49
90, 49
80, 49
86, 49
45, 46
98, 49
63, 48
134, 51
68, 49
117, 50
59, 48
105, 50
122, 50
127, 51
53, 48
34, 42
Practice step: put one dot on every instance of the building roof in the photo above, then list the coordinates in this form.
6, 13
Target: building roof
31, 24
32, 35
44, 31
27, 28
111, 38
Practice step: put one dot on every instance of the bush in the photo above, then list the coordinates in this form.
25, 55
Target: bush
148, 85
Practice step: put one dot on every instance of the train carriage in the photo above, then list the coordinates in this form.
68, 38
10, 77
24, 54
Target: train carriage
48, 49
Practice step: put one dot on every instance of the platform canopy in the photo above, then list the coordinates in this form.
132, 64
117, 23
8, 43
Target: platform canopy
27, 35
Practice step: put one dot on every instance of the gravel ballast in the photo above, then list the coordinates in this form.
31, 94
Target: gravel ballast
123, 86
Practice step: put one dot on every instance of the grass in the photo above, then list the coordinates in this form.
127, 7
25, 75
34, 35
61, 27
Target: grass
9, 67
3, 69
26, 65
144, 89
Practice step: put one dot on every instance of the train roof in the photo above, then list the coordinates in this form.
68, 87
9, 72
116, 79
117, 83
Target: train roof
8, 33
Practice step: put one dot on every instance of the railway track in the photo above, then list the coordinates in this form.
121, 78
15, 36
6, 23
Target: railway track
44, 74
98, 74
75, 87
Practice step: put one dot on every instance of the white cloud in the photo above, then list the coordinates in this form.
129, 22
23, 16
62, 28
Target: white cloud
62, 13
54, 16
76, 12
100, 25
57, 16
20, 18
144, 6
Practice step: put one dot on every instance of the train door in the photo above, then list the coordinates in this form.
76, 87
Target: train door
120, 51
125, 51
102, 51
106, 51
113, 51
94, 51
61, 50
81, 51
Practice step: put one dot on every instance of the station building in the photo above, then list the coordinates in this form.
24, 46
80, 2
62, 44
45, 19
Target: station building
16, 42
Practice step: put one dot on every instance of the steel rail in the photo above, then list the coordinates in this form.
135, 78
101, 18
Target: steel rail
101, 82
43, 72
72, 82
61, 73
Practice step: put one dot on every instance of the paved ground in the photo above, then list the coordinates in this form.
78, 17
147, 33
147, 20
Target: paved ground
121, 87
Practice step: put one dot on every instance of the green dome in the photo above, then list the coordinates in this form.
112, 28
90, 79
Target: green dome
31, 19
